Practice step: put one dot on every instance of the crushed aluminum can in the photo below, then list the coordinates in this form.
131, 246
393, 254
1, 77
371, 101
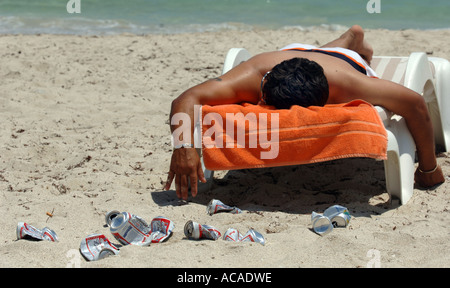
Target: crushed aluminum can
161, 229
339, 215
215, 206
196, 231
321, 224
232, 235
26, 231
131, 229
251, 236
97, 246
110, 216
334, 216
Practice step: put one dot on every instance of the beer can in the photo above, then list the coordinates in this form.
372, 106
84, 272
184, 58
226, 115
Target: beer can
215, 206
321, 224
110, 216
161, 229
341, 220
194, 230
232, 235
339, 215
97, 246
251, 236
26, 231
128, 228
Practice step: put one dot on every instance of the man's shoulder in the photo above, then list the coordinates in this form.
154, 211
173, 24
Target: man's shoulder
347, 84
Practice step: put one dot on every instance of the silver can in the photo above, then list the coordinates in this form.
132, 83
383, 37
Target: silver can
194, 230
339, 215
232, 235
26, 231
251, 236
97, 246
341, 220
131, 229
334, 216
161, 229
110, 216
215, 206
321, 224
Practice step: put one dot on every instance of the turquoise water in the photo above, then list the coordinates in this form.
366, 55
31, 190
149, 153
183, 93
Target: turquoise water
179, 16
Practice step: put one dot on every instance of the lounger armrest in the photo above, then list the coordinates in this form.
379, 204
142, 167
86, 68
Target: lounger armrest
385, 115
418, 73
234, 57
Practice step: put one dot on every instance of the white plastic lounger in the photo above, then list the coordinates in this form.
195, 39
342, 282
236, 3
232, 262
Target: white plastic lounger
427, 76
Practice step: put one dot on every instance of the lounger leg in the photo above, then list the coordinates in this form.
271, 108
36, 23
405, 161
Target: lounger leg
198, 143
442, 84
234, 57
399, 167
209, 174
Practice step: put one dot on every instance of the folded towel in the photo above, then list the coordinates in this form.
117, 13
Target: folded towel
254, 136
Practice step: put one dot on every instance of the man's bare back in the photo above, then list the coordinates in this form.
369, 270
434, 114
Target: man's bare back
243, 84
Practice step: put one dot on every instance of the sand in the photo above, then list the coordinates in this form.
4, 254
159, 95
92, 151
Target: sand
85, 130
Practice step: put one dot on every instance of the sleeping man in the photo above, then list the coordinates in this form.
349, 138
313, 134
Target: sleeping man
299, 74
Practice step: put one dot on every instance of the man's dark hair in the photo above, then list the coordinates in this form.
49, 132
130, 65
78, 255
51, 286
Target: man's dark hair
297, 81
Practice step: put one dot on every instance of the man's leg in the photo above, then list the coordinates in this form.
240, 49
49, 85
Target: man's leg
353, 39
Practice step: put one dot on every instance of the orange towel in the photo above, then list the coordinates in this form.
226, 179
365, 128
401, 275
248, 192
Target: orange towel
298, 135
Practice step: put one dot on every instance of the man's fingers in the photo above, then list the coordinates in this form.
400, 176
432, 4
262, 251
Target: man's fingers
201, 175
181, 184
184, 187
178, 185
169, 180
193, 180
186, 172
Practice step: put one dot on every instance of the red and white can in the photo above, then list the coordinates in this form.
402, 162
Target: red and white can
215, 206
131, 229
194, 230
251, 236
26, 231
97, 246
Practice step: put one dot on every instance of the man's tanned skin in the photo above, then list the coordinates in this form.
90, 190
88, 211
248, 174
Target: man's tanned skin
242, 84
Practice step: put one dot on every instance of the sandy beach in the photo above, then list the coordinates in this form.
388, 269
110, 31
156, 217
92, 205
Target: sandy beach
85, 131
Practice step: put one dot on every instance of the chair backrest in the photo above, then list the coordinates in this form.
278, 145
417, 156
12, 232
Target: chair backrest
418, 73
390, 68
393, 68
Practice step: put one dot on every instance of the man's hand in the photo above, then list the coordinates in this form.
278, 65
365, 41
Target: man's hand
186, 168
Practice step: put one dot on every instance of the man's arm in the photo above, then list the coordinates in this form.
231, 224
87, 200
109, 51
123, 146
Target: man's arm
412, 107
240, 84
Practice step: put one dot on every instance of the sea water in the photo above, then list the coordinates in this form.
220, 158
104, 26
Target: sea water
94, 17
